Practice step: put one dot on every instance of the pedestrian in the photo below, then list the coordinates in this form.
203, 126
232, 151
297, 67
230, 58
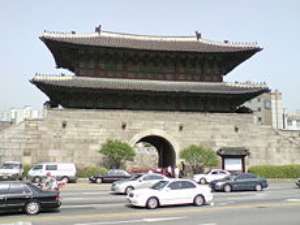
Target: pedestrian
50, 183
182, 169
169, 170
176, 172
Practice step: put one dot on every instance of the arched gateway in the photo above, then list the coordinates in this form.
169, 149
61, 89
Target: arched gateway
165, 145
163, 90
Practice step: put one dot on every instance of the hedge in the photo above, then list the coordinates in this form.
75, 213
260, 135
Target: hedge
271, 171
91, 171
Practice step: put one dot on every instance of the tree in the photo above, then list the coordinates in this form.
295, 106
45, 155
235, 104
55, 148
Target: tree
117, 152
199, 157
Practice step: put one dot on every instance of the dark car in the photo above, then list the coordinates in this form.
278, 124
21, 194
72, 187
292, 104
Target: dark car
111, 176
298, 182
241, 182
20, 196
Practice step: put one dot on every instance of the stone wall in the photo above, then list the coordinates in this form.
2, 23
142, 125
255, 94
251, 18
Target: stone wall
4, 125
76, 135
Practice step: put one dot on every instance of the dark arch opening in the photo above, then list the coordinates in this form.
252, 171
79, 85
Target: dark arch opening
166, 152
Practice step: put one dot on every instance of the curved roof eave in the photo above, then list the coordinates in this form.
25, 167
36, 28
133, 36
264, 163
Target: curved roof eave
146, 42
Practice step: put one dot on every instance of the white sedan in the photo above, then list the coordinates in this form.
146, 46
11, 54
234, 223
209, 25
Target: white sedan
171, 192
215, 174
136, 182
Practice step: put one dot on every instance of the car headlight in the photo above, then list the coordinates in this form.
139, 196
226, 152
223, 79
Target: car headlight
220, 183
118, 186
136, 195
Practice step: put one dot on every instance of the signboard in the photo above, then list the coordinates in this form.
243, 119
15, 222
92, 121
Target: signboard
233, 164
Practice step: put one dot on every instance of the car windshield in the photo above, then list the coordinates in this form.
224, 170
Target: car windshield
135, 176
37, 167
207, 172
232, 177
9, 166
159, 185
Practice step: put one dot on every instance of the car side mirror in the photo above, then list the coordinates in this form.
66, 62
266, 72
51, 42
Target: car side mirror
168, 189
140, 180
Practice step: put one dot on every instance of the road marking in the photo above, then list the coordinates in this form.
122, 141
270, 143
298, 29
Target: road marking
207, 224
101, 205
293, 200
90, 198
17, 223
226, 203
150, 220
85, 193
73, 199
147, 220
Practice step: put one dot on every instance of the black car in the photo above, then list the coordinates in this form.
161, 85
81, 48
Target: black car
298, 182
20, 196
111, 176
241, 182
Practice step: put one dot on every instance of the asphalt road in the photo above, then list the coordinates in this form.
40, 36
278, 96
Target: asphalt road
93, 204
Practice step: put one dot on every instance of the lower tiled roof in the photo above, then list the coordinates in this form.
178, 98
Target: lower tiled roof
148, 85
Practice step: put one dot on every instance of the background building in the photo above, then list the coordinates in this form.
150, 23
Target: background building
292, 121
268, 109
17, 115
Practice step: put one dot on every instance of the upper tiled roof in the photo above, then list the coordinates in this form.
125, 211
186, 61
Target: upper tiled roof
148, 85
147, 42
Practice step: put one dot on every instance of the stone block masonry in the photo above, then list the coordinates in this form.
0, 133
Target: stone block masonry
76, 135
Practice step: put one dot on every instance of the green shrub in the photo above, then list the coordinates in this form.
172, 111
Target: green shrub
91, 171
199, 157
117, 152
271, 171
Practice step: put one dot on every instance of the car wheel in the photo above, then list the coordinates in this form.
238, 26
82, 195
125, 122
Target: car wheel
258, 187
98, 180
66, 179
152, 203
129, 189
227, 188
37, 179
32, 208
202, 181
199, 200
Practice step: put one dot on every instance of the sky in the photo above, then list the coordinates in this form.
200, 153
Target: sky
274, 24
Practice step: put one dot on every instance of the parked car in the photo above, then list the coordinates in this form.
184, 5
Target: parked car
16, 196
11, 170
143, 181
61, 171
242, 182
210, 176
298, 182
171, 192
111, 176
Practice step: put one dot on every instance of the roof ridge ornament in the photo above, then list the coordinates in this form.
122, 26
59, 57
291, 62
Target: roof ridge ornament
198, 35
98, 29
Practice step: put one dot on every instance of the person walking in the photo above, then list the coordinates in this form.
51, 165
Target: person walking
176, 172
50, 183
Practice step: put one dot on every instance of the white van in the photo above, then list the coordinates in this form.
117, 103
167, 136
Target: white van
11, 170
62, 171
